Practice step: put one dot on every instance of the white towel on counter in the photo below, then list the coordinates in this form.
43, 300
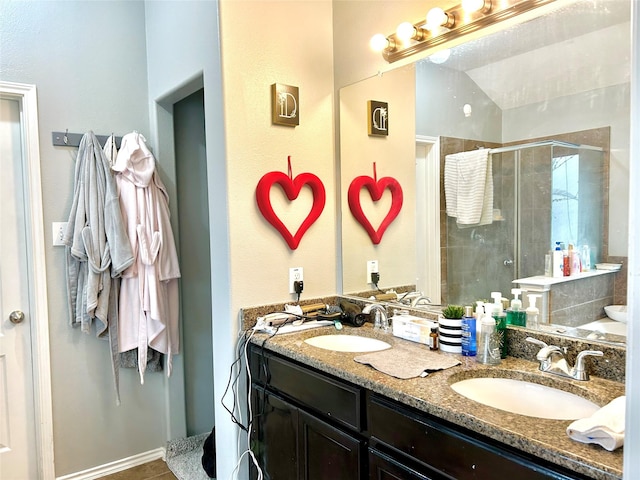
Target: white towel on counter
468, 186
605, 427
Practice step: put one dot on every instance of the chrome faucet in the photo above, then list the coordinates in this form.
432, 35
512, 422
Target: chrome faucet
552, 360
420, 299
379, 313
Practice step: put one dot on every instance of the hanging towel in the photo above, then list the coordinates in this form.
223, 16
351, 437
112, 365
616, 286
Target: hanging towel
468, 186
605, 427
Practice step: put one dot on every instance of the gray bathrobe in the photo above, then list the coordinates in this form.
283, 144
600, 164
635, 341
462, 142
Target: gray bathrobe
98, 249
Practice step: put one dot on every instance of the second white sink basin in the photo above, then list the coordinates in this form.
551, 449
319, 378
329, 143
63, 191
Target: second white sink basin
347, 343
526, 398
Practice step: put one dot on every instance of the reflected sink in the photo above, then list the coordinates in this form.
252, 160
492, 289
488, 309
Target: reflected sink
347, 343
526, 398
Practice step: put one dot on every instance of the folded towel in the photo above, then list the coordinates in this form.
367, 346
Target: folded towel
605, 427
407, 361
468, 184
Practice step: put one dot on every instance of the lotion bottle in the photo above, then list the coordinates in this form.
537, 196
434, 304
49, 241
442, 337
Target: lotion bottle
558, 261
532, 312
488, 343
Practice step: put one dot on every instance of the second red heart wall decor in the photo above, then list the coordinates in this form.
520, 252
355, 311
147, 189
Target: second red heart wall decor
376, 188
291, 187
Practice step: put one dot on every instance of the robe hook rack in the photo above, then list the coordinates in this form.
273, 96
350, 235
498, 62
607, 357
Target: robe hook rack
66, 139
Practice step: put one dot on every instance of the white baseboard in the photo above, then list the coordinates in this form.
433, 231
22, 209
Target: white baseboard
117, 466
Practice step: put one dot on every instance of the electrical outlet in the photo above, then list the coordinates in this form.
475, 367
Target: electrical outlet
295, 274
372, 267
57, 233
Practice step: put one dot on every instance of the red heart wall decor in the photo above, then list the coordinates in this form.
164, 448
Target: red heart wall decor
376, 189
291, 187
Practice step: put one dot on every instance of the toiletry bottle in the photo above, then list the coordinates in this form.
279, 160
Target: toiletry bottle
488, 343
516, 315
469, 347
433, 339
557, 261
501, 322
574, 259
585, 258
532, 312
566, 263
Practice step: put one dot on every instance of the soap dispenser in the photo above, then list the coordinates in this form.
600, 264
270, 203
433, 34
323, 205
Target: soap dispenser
532, 312
501, 322
516, 315
488, 341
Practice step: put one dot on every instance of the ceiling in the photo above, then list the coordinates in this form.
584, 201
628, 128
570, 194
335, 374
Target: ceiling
577, 49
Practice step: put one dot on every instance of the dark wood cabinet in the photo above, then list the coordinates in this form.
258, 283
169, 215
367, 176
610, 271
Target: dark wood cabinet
326, 452
306, 425
384, 467
309, 425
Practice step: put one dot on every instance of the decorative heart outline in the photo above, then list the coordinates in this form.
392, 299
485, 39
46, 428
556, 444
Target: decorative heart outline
291, 187
376, 189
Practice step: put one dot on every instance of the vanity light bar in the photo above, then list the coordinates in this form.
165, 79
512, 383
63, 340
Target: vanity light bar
459, 22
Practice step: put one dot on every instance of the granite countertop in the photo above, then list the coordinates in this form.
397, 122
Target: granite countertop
543, 438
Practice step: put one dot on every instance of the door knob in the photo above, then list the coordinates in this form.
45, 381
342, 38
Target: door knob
508, 262
16, 317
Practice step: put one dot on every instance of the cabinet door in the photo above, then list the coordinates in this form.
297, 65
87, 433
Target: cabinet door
274, 438
327, 453
384, 467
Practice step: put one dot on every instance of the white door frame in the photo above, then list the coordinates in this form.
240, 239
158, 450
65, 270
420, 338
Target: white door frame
428, 221
43, 414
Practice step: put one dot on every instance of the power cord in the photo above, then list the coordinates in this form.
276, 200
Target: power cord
298, 286
375, 278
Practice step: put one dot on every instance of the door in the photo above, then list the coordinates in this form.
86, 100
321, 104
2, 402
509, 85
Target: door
17, 427
26, 418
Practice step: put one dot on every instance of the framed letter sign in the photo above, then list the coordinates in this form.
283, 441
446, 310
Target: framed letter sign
285, 105
378, 118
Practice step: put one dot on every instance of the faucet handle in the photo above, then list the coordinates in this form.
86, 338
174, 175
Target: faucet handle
579, 373
536, 341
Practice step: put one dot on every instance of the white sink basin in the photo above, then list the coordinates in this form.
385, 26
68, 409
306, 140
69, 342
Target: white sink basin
347, 343
526, 398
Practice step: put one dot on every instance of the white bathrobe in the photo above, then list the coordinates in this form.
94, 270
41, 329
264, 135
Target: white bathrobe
149, 308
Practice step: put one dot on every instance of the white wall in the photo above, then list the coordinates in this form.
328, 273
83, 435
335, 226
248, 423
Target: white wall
395, 156
87, 60
267, 42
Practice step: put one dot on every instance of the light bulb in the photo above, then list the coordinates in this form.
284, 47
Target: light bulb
466, 110
470, 6
405, 32
378, 42
436, 17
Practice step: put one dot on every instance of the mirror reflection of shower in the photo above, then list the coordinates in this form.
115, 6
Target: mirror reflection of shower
544, 192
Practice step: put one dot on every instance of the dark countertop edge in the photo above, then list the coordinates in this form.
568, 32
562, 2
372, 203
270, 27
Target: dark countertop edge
590, 460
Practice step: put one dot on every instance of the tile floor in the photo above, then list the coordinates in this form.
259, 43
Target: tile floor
156, 470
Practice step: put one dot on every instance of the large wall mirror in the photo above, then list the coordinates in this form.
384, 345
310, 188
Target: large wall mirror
529, 94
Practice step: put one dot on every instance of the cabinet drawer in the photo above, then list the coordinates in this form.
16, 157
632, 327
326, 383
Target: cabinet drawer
453, 453
319, 392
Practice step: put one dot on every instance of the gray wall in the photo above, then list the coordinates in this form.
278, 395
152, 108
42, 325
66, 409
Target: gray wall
195, 294
183, 55
88, 61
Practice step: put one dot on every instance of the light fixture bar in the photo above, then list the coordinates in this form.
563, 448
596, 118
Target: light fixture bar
465, 23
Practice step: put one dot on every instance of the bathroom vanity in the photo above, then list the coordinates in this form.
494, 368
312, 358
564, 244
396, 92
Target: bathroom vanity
318, 414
